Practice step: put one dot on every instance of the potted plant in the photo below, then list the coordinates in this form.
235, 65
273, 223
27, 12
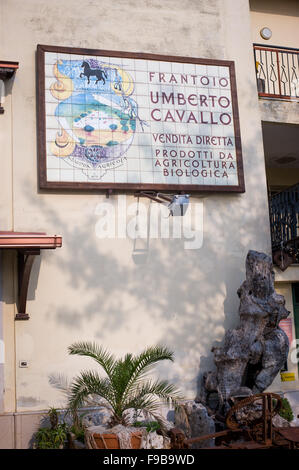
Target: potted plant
126, 386
53, 437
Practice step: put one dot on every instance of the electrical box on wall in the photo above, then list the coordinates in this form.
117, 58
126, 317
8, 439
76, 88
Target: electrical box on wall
23, 364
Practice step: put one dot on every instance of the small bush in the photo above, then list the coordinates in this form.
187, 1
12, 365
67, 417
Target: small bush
286, 410
51, 438
79, 433
150, 426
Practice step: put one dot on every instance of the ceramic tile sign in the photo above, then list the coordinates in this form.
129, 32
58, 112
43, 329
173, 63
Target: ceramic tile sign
136, 121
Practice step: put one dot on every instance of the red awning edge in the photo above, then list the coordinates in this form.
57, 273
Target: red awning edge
28, 246
19, 240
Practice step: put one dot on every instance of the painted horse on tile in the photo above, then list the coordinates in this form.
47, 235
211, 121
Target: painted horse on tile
89, 72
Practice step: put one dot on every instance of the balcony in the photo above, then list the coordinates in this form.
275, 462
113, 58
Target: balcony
284, 222
277, 72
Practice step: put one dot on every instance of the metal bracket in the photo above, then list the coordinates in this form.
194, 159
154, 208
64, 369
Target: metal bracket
25, 261
28, 246
109, 193
7, 70
154, 196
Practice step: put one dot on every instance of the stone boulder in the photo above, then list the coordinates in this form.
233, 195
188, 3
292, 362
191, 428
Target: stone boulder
192, 418
254, 352
152, 440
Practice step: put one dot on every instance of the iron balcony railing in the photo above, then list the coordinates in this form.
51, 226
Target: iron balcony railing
277, 72
284, 220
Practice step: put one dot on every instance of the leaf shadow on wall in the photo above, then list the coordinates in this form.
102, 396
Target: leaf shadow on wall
185, 299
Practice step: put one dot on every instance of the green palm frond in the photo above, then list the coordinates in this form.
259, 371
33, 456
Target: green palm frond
140, 365
99, 354
120, 377
90, 383
143, 362
126, 385
149, 390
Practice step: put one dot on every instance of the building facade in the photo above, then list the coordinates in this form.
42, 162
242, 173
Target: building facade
121, 292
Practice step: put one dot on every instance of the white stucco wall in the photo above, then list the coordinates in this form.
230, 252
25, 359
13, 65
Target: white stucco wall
93, 289
280, 17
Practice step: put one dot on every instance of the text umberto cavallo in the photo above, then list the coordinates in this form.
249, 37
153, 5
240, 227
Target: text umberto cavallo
193, 103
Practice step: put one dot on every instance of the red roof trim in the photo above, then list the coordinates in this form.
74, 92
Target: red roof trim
9, 65
29, 240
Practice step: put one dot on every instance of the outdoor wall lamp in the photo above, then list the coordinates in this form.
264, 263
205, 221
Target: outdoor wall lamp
266, 33
177, 204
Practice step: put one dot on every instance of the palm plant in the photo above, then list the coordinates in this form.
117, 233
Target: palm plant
126, 384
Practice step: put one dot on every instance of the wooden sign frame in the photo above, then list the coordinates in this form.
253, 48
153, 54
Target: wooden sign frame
46, 183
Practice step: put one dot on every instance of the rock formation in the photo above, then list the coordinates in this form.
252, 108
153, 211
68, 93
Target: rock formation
253, 353
193, 419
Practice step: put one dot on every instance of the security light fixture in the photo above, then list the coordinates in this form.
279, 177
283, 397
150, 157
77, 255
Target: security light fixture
177, 203
266, 33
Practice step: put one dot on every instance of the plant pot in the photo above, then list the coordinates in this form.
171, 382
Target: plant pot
111, 441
